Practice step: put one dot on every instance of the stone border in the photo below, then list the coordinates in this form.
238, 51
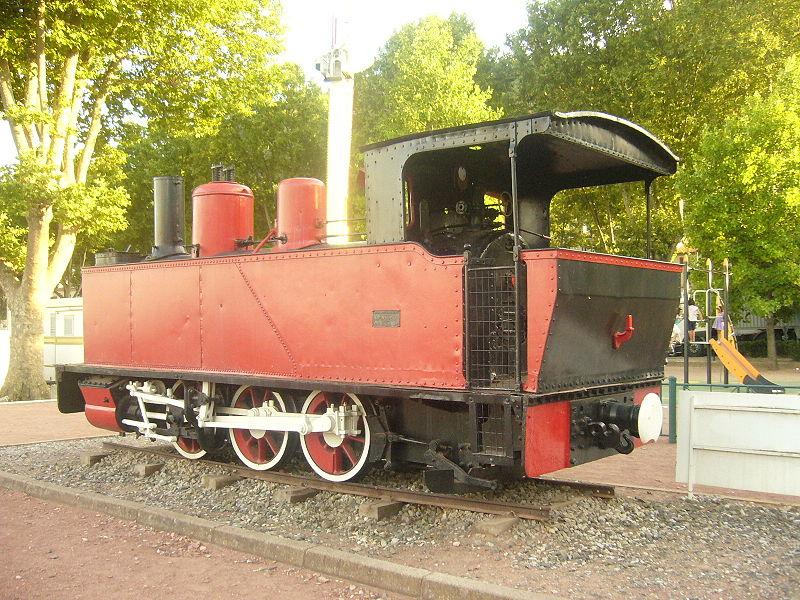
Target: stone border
51, 441
381, 574
24, 402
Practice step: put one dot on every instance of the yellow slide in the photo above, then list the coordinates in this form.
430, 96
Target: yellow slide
742, 369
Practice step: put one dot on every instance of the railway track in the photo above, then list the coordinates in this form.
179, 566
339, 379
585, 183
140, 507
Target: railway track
522, 511
599, 490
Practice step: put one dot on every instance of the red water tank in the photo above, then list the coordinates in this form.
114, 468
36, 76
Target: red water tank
222, 212
301, 212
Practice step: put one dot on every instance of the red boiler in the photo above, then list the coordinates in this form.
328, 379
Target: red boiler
222, 213
301, 212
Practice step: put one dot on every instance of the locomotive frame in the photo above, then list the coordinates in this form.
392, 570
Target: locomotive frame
536, 358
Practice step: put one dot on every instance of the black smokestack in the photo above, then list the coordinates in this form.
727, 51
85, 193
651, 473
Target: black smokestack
168, 214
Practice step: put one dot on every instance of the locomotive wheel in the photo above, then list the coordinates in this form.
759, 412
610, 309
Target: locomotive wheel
189, 448
186, 447
258, 449
334, 457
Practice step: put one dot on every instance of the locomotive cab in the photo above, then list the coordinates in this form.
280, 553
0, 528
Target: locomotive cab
458, 187
458, 199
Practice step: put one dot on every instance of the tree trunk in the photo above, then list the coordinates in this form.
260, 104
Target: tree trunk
25, 379
772, 350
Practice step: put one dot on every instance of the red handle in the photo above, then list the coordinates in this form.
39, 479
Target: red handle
620, 337
272, 233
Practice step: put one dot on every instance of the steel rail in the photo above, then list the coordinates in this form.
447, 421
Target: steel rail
600, 490
523, 511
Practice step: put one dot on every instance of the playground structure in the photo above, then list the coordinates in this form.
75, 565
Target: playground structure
724, 347
737, 364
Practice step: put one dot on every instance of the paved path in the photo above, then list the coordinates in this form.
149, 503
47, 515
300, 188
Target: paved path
28, 422
54, 552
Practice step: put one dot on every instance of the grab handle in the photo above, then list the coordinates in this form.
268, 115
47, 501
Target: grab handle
621, 337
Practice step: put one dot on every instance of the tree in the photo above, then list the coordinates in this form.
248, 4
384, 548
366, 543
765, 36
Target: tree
67, 69
613, 219
742, 194
422, 79
673, 67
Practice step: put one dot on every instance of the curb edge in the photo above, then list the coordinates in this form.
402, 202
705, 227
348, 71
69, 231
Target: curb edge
377, 573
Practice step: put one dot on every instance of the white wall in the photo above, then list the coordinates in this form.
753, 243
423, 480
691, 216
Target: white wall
739, 441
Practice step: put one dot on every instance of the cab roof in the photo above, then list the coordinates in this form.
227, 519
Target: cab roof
580, 144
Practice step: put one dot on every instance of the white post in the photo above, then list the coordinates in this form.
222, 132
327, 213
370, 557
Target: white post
340, 126
335, 68
690, 448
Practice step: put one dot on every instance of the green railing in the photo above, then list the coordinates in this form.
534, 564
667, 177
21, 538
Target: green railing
672, 393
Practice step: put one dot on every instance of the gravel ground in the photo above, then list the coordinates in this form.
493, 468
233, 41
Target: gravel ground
660, 546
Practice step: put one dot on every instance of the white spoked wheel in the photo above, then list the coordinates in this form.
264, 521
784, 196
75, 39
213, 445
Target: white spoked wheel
258, 449
187, 447
334, 457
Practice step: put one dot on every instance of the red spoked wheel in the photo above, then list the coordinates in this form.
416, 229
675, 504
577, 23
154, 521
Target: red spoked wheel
189, 448
334, 457
186, 446
256, 448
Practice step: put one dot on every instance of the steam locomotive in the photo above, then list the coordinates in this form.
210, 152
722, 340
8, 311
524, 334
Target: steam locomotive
452, 338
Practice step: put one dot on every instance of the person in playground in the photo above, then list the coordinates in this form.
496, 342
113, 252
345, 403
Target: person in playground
694, 316
718, 328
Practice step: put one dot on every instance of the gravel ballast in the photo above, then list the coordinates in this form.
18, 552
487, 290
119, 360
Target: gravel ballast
661, 546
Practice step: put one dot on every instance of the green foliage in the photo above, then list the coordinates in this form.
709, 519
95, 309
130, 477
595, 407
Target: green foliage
758, 348
673, 67
96, 209
742, 194
124, 45
280, 136
613, 220
202, 62
72, 72
22, 185
173, 55
422, 79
